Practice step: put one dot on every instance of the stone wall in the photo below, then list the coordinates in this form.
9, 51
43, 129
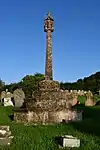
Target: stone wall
79, 92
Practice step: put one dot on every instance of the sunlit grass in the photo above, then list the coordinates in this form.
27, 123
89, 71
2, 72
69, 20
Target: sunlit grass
42, 137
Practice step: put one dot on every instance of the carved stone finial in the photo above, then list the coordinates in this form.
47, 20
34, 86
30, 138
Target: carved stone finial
49, 16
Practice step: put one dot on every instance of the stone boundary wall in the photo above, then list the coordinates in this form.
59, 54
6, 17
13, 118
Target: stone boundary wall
79, 92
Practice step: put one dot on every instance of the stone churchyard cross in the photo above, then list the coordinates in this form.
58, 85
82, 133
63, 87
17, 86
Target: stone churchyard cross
48, 28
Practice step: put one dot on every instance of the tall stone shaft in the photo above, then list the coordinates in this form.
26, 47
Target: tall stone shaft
48, 28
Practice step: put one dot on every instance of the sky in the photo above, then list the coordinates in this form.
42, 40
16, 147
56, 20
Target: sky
75, 40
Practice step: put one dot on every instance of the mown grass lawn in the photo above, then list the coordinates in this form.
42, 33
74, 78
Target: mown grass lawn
42, 137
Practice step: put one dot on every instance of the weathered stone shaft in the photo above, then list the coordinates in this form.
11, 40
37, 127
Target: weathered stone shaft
48, 65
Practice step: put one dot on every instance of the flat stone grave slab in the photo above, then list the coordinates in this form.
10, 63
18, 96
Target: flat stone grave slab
68, 141
5, 136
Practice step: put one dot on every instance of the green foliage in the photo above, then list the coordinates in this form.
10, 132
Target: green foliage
2, 84
91, 83
11, 87
96, 97
29, 84
5, 112
82, 99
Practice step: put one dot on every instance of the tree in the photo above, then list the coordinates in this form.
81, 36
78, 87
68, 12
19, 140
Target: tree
30, 83
2, 84
91, 83
11, 87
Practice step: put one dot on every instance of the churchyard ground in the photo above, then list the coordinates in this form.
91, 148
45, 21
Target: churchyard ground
42, 137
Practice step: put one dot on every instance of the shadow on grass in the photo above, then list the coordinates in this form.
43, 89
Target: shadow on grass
91, 120
58, 140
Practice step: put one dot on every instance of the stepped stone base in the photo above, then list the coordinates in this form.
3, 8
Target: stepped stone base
50, 96
45, 117
49, 104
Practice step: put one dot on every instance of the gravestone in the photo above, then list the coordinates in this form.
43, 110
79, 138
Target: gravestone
3, 93
99, 92
6, 98
89, 101
5, 136
70, 141
19, 97
75, 99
